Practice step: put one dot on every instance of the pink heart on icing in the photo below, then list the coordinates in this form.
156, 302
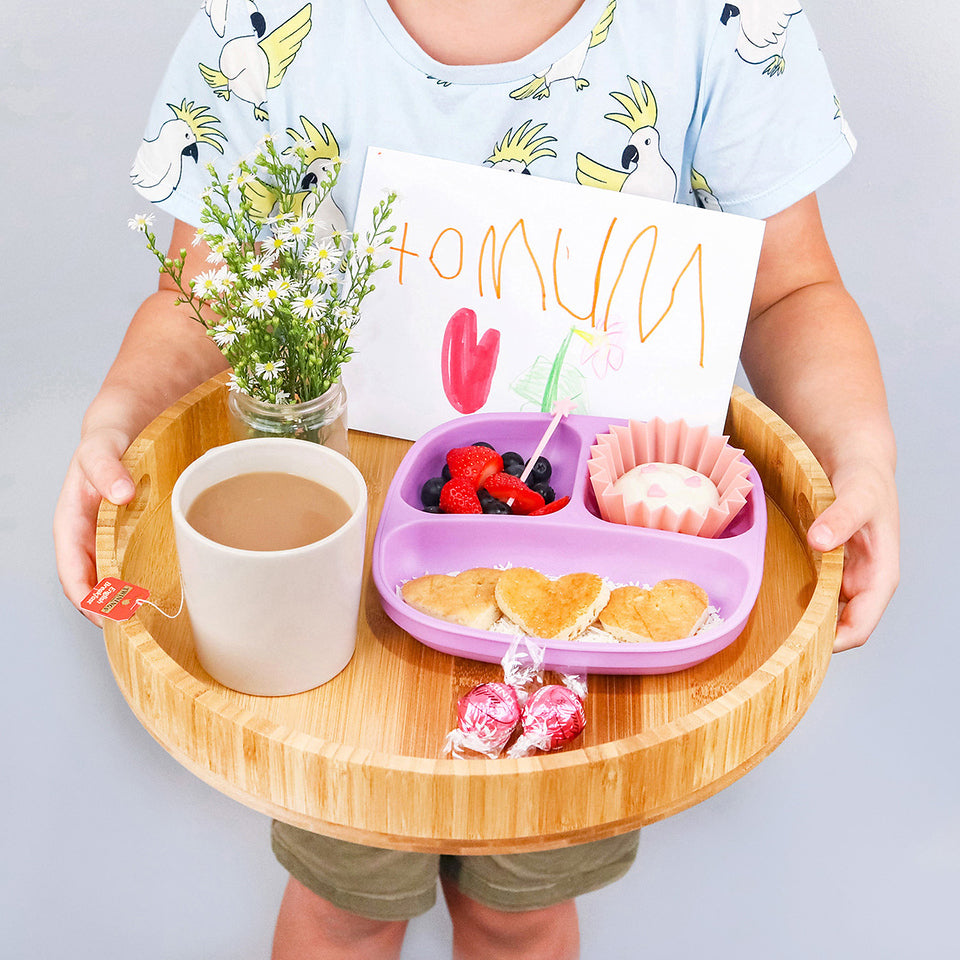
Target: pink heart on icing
649, 468
656, 490
693, 481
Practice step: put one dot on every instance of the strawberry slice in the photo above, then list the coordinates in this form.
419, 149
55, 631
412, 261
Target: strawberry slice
459, 496
475, 464
551, 507
503, 486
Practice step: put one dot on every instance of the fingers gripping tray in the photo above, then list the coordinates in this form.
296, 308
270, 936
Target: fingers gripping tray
410, 543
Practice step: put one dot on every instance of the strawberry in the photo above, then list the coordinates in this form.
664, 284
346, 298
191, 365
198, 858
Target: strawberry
475, 464
459, 496
503, 486
551, 507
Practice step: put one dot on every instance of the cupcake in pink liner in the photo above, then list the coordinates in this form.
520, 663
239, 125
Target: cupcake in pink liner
700, 497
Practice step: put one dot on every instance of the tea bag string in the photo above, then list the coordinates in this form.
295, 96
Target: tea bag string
174, 616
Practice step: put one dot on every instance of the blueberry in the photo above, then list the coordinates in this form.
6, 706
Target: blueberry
511, 458
445, 473
545, 491
493, 505
483, 443
541, 471
432, 508
484, 497
430, 492
513, 468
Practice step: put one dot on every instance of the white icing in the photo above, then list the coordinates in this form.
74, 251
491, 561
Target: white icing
667, 485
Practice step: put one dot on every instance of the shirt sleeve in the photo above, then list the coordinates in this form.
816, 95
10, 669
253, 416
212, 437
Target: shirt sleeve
199, 116
771, 127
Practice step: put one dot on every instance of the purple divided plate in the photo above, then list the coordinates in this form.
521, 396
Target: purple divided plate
410, 543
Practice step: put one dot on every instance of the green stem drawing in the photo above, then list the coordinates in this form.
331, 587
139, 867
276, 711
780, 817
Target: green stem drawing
553, 380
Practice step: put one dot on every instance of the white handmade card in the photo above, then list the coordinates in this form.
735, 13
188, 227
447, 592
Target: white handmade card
509, 292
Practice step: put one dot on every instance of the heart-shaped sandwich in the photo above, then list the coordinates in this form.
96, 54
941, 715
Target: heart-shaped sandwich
551, 609
467, 598
670, 610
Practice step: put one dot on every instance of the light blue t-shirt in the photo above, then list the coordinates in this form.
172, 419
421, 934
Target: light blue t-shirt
703, 102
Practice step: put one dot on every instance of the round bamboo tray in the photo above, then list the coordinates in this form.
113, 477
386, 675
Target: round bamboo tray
359, 757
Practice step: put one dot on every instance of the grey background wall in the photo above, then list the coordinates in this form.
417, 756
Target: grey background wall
843, 844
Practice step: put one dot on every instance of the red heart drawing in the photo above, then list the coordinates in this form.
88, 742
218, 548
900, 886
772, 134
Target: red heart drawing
467, 366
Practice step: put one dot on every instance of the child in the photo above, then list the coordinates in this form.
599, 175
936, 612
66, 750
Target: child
695, 101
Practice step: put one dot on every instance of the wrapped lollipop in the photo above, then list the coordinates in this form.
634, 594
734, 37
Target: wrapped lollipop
486, 718
523, 666
552, 716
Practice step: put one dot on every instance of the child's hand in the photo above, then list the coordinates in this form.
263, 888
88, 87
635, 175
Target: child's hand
864, 517
95, 472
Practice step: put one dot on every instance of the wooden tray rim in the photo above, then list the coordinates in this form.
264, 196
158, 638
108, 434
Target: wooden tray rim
820, 606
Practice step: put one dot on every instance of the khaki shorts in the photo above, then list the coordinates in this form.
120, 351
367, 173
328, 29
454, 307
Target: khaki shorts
398, 885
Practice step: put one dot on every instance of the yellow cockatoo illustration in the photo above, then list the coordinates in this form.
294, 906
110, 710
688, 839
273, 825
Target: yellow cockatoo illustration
158, 165
516, 151
216, 11
644, 170
569, 67
321, 152
249, 67
702, 193
763, 30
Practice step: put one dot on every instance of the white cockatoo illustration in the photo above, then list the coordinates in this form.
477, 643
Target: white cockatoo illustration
249, 66
321, 152
570, 66
702, 193
644, 170
216, 11
516, 151
158, 165
763, 30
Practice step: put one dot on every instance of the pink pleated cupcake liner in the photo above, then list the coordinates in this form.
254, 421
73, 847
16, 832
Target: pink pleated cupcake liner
657, 441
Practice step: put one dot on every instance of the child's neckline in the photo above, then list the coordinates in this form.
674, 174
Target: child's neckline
572, 33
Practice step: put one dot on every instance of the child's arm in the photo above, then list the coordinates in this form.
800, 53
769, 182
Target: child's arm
809, 356
165, 354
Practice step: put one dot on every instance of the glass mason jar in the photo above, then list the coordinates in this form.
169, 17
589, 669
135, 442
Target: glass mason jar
321, 420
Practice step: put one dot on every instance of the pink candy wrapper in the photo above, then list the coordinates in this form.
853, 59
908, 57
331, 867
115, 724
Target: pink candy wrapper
488, 715
657, 441
551, 717
486, 719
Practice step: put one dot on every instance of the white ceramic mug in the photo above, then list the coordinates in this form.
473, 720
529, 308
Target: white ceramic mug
273, 622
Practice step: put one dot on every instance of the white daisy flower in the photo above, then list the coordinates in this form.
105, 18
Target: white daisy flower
226, 333
235, 384
296, 230
258, 267
345, 313
281, 396
199, 235
140, 222
276, 243
208, 285
306, 307
256, 305
273, 296
217, 250
269, 370
283, 285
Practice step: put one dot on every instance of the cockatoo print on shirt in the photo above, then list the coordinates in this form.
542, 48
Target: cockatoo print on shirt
702, 193
516, 151
570, 66
321, 152
763, 30
249, 66
644, 171
216, 11
158, 165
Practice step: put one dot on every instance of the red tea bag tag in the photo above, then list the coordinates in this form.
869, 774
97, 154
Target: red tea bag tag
114, 599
